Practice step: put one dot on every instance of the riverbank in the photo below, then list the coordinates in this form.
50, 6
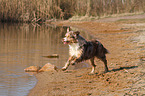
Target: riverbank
124, 38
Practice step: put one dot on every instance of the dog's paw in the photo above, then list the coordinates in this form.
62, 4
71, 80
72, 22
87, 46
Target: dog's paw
106, 70
63, 69
91, 73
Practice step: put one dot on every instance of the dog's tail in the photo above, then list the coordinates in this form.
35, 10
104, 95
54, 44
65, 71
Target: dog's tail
106, 51
101, 47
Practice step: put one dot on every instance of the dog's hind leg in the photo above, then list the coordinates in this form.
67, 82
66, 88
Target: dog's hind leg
93, 65
105, 63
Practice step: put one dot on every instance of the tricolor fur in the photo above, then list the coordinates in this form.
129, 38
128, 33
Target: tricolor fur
80, 50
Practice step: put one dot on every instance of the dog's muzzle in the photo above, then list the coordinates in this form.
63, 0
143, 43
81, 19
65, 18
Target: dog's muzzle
64, 40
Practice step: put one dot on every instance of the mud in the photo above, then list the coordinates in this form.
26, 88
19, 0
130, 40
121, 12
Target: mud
126, 61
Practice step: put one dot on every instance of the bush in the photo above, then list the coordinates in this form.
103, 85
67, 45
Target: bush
33, 10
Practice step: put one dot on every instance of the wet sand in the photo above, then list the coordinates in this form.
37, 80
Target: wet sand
126, 62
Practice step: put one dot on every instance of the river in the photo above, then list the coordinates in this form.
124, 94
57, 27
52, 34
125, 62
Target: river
24, 45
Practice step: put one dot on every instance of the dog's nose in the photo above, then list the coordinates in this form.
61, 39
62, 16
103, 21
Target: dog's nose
62, 40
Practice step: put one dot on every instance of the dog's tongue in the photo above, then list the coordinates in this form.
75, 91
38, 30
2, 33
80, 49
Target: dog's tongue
65, 42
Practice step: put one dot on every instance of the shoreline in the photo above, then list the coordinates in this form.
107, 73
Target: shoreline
124, 64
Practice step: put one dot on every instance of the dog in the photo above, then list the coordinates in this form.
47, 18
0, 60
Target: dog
81, 49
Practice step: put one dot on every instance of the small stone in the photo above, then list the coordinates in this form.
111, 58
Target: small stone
32, 69
48, 67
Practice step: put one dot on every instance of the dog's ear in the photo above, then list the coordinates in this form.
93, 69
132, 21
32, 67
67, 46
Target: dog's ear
77, 32
68, 29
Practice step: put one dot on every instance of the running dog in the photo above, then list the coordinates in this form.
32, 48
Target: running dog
80, 50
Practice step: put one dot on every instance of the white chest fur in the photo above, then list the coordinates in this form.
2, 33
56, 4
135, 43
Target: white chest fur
74, 49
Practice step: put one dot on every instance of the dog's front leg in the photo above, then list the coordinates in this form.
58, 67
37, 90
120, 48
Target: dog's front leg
67, 63
77, 60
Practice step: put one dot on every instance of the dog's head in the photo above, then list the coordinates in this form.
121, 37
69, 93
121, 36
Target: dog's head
70, 37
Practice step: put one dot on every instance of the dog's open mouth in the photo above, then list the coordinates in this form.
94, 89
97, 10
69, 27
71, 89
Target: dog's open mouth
65, 42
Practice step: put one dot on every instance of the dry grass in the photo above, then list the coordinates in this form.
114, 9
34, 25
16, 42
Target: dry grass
35, 10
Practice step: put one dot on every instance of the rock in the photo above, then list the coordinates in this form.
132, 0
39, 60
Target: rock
48, 67
32, 69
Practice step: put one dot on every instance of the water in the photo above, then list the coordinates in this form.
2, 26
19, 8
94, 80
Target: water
24, 45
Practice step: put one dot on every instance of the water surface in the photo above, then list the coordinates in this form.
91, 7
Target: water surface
23, 45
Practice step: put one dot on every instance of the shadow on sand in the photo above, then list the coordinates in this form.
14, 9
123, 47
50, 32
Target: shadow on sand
122, 68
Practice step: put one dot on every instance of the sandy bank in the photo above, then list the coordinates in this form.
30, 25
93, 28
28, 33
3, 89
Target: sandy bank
125, 61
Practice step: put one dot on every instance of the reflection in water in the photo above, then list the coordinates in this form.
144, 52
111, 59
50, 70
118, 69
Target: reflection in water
24, 45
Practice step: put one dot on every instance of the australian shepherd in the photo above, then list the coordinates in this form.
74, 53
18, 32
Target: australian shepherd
81, 49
